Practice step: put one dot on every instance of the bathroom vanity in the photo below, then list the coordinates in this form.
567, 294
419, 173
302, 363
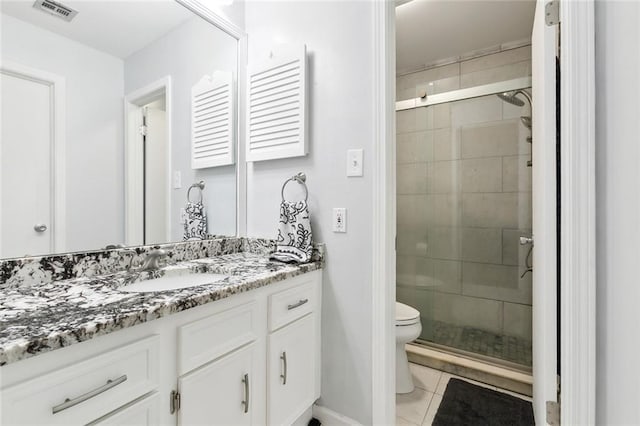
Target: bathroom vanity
243, 350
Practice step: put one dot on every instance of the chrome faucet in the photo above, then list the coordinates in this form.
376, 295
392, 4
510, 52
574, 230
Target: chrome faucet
151, 261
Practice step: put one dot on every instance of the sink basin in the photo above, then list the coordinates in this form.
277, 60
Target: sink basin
173, 282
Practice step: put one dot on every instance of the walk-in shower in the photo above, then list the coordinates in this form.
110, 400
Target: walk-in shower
463, 202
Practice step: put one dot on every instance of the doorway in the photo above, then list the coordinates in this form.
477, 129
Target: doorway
484, 291
577, 162
148, 164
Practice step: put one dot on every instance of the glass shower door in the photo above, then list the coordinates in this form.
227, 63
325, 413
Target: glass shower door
463, 201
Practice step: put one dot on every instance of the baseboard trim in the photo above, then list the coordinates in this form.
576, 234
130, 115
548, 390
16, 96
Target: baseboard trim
330, 418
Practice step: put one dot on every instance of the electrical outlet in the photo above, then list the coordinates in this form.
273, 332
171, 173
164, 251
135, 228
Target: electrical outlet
339, 219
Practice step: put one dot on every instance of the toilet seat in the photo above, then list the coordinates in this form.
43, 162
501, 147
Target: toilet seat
406, 315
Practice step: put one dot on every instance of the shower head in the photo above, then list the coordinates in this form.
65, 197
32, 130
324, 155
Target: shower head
510, 97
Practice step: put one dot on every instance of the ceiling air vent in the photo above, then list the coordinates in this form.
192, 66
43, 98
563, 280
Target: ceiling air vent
56, 9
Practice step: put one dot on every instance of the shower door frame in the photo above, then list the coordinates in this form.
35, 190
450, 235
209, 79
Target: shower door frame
463, 94
578, 273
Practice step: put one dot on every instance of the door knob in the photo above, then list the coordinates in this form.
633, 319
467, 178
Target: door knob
40, 227
525, 240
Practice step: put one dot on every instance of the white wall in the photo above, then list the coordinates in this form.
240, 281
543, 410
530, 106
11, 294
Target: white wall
618, 211
339, 39
188, 52
94, 158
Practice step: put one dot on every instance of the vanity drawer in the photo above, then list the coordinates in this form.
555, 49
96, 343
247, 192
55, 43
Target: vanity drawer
83, 392
208, 338
143, 412
291, 304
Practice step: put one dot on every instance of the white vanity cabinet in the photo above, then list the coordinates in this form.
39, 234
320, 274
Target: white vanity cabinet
292, 364
223, 392
221, 363
221, 369
83, 392
293, 353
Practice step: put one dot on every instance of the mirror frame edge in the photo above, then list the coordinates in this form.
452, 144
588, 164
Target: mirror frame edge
197, 7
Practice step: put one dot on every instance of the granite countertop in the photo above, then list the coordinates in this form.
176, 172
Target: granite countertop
41, 317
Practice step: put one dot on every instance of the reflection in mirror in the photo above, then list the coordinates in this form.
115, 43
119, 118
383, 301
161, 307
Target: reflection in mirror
97, 120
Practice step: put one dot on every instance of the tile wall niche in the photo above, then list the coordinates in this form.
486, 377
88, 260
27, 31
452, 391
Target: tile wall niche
464, 198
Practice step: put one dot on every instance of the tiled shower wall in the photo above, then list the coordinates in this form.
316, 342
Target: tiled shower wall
464, 198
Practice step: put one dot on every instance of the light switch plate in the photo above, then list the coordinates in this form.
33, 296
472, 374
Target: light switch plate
339, 219
354, 162
177, 180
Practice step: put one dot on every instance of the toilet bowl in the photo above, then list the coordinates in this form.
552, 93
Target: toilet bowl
408, 328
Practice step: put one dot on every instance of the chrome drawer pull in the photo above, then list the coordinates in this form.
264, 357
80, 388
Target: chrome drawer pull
295, 305
283, 376
245, 380
68, 403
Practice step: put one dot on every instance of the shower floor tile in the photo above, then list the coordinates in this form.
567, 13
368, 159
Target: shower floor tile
508, 348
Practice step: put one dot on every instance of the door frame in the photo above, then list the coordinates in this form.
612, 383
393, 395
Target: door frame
577, 217
133, 169
578, 212
57, 87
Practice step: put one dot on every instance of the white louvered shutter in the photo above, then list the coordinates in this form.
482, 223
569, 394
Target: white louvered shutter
212, 119
276, 121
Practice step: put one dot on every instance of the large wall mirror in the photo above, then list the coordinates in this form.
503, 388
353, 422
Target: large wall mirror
97, 116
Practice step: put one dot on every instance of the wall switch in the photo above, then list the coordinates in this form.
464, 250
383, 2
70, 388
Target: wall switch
354, 162
177, 180
339, 219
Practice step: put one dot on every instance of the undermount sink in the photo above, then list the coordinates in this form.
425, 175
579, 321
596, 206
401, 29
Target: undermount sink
185, 279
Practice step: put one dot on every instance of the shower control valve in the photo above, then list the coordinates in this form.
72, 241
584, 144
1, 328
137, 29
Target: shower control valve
525, 240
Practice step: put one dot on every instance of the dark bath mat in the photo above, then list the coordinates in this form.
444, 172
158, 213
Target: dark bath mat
464, 404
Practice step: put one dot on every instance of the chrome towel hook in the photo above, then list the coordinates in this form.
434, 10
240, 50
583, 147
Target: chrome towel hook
301, 178
200, 186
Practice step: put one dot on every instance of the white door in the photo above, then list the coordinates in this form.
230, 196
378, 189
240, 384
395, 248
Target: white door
224, 392
26, 166
156, 180
543, 44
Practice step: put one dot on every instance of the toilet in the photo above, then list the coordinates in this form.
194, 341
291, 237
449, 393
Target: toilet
408, 328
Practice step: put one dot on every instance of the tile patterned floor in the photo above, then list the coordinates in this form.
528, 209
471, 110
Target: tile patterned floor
419, 407
482, 342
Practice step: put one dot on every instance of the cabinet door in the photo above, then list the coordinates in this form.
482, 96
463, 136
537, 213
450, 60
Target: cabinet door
223, 392
292, 363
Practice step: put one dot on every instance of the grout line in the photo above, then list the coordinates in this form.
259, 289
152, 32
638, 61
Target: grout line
427, 410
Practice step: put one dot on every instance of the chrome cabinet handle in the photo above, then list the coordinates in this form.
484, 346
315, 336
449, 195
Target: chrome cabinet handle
68, 403
245, 380
297, 304
40, 227
283, 376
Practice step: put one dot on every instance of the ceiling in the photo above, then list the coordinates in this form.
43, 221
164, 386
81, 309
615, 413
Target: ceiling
119, 28
428, 31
